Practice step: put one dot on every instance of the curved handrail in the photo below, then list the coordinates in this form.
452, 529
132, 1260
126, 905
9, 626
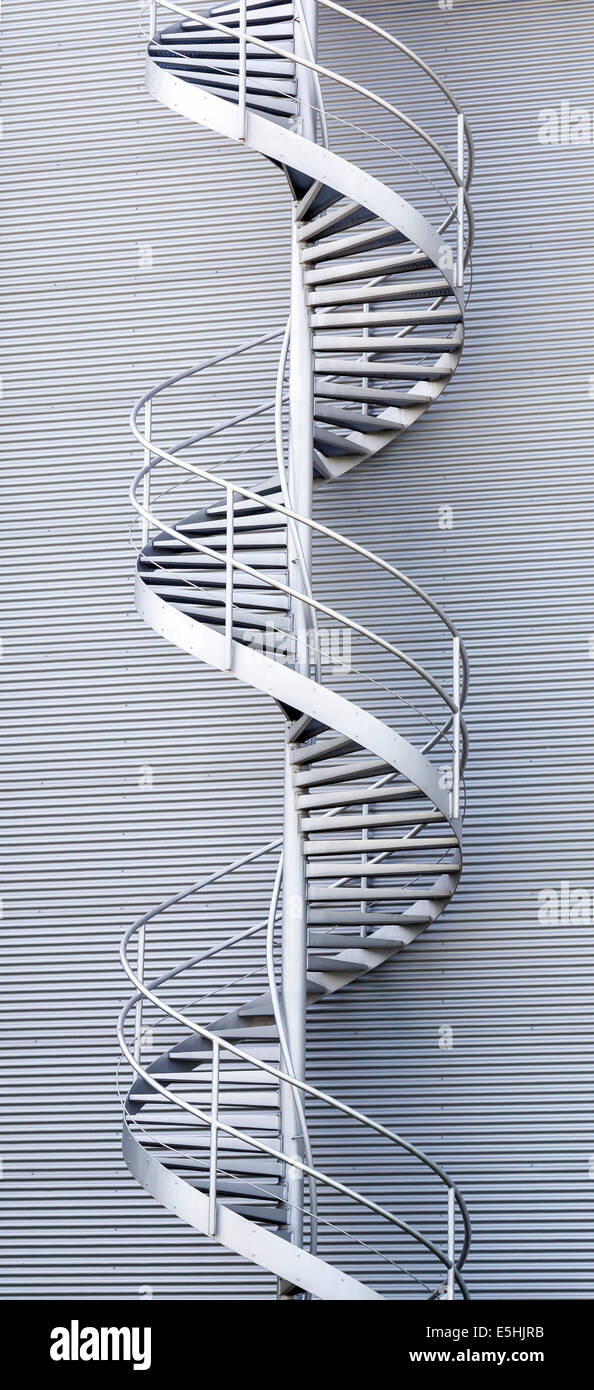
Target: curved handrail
207, 475
289, 590
415, 58
315, 605
320, 70
143, 990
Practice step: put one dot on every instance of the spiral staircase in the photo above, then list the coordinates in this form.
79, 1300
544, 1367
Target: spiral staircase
229, 583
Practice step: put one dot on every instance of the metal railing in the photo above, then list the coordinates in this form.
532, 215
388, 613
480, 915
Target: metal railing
216, 1125
155, 456
460, 172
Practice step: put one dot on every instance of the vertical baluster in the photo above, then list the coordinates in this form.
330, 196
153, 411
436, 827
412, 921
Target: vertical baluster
457, 730
451, 1241
460, 268
152, 19
214, 1137
229, 580
146, 485
139, 1004
364, 881
242, 70
365, 383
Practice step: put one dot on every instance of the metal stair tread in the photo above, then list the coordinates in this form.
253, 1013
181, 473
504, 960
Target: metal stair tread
384, 397
310, 753
344, 772
348, 419
387, 817
373, 239
330, 941
344, 269
330, 319
262, 1006
392, 371
376, 846
333, 965
342, 916
361, 868
349, 796
318, 893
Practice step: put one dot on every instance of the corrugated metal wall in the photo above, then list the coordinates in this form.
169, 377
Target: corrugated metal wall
132, 244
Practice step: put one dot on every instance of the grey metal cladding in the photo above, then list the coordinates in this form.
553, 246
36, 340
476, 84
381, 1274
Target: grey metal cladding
124, 229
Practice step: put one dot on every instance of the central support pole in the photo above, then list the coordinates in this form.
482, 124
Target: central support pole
300, 479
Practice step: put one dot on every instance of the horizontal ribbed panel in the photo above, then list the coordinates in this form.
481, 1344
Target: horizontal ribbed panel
97, 706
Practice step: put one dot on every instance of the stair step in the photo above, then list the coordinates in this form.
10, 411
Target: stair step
311, 824
246, 513
241, 1117
259, 1042
260, 13
239, 1187
346, 366
231, 7
263, 1005
263, 67
241, 1033
257, 559
275, 77
313, 848
312, 197
261, 598
271, 30
345, 772
265, 1169
244, 628
355, 343
375, 239
191, 1137
305, 727
358, 869
262, 523
228, 1100
343, 216
343, 269
257, 99
382, 318
272, 1216
266, 1207
318, 894
360, 795
273, 539
316, 752
340, 941
332, 965
320, 916
395, 288
210, 574
349, 419
385, 398
213, 610
374, 294
251, 1076
250, 1038
332, 444
268, 488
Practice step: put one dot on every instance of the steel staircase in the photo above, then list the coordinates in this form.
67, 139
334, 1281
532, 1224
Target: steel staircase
380, 823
